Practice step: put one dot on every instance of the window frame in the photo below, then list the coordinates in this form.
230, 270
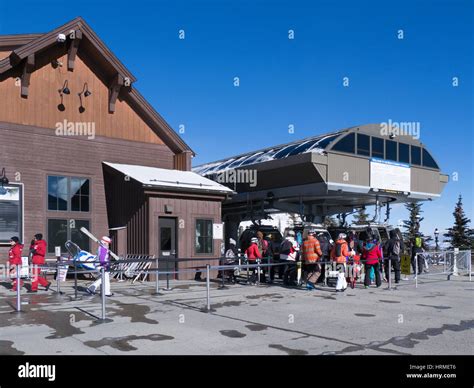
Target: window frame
357, 145
347, 135
68, 232
372, 147
21, 215
69, 194
411, 156
196, 220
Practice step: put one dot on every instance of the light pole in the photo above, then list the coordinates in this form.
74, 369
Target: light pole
436, 233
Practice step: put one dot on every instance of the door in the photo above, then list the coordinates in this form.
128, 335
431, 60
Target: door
167, 244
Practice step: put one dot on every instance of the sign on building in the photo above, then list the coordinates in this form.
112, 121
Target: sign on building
387, 175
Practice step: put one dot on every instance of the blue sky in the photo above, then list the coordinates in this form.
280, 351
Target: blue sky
297, 81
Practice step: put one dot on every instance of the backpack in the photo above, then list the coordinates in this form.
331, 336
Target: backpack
418, 242
338, 249
396, 248
285, 247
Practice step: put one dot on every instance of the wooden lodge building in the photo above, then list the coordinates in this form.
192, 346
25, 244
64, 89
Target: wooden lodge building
80, 147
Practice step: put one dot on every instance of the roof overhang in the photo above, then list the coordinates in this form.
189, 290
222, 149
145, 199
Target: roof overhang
165, 180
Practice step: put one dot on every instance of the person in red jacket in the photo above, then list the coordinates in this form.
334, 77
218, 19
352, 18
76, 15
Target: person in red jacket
253, 253
372, 254
14, 258
38, 250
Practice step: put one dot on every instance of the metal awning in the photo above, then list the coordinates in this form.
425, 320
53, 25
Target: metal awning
170, 179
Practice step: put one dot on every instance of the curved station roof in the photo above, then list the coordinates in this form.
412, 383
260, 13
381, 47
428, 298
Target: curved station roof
330, 173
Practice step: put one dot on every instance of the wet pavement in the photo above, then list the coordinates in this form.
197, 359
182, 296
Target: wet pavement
436, 318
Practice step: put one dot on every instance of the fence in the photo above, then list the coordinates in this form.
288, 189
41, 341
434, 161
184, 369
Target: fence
443, 263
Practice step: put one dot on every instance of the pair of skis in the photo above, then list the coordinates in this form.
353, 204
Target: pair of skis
95, 239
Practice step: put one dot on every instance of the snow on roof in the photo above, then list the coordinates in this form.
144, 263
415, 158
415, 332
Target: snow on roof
172, 179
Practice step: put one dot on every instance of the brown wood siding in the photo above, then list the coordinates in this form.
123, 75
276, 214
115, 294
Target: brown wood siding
4, 54
186, 211
40, 108
182, 161
32, 153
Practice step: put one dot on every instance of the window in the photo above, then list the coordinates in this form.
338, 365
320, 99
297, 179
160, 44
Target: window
346, 144
377, 148
80, 194
204, 236
68, 194
428, 160
323, 143
11, 212
61, 230
57, 193
391, 150
416, 155
403, 153
363, 144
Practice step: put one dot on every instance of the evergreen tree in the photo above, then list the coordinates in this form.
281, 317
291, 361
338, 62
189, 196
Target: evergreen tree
412, 225
460, 235
361, 217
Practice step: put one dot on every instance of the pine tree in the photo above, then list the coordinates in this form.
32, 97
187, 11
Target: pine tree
460, 235
361, 217
412, 225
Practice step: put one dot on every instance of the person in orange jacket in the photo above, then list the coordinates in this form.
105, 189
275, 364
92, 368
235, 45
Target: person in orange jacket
311, 255
14, 257
38, 250
340, 251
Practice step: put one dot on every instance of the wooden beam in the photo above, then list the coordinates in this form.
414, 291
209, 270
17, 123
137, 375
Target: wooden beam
114, 91
28, 68
72, 51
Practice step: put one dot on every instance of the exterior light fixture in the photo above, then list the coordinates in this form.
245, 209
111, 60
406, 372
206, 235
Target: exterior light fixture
86, 92
64, 89
3, 178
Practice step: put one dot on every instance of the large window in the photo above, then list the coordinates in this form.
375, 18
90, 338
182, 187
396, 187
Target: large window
391, 150
68, 194
416, 155
61, 230
403, 153
11, 213
204, 236
363, 144
346, 144
377, 148
428, 160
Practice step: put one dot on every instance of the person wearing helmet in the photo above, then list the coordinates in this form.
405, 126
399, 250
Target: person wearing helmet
312, 253
289, 251
372, 255
103, 256
252, 253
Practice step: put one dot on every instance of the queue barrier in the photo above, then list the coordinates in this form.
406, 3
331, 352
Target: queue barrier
116, 268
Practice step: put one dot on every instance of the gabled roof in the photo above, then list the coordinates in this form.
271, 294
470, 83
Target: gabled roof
32, 44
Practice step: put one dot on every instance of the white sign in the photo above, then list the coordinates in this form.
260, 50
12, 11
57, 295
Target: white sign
218, 231
62, 273
386, 175
57, 251
25, 268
